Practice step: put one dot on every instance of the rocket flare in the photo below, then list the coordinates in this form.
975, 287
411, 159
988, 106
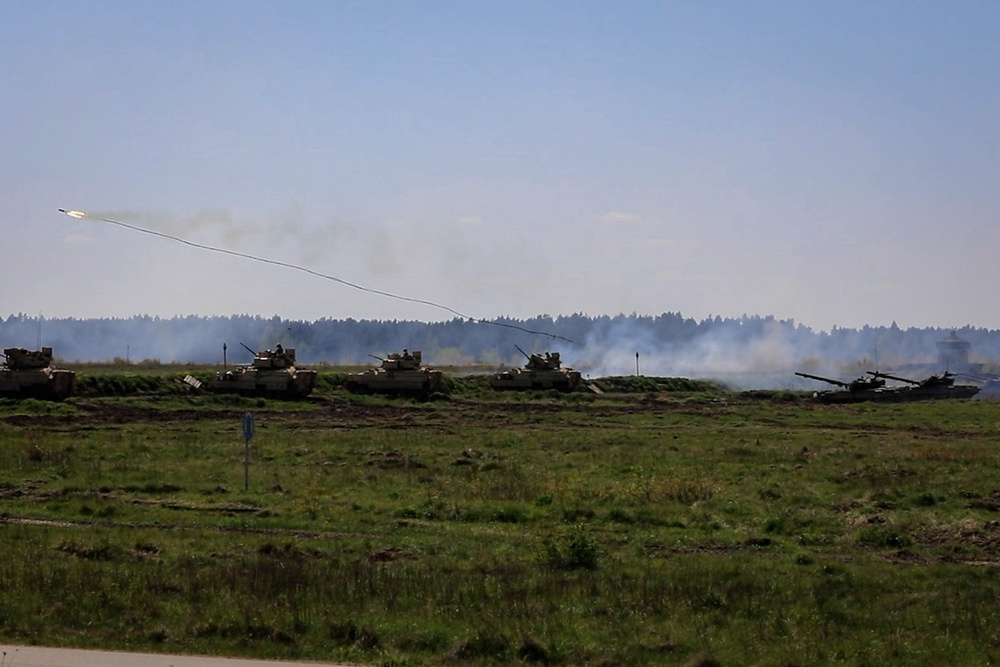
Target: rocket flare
80, 214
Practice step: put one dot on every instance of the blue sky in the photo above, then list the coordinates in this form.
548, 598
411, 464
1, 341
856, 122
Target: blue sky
834, 163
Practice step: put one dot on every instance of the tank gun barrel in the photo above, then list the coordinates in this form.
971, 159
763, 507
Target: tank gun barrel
249, 350
880, 374
823, 379
526, 355
376, 357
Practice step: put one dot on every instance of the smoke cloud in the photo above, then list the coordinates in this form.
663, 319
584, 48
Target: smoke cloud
742, 353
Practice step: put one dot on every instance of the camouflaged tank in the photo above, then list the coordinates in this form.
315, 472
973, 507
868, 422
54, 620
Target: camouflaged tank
932, 388
856, 391
273, 373
541, 372
398, 374
29, 373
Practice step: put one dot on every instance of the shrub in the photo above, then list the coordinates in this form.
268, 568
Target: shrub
576, 551
483, 645
885, 538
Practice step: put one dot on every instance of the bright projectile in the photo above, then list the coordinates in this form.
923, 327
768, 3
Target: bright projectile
80, 214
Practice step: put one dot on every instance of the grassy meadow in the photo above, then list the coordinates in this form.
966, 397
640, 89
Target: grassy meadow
660, 523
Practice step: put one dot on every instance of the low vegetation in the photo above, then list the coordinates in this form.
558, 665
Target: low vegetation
659, 522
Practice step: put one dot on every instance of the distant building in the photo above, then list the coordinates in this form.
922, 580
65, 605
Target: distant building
953, 353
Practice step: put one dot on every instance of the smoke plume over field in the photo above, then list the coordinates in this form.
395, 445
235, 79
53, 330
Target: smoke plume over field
746, 352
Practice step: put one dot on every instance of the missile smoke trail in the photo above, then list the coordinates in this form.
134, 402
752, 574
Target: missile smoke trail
81, 215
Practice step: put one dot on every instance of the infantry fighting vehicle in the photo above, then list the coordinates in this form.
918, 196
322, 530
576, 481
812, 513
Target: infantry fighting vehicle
856, 391
29, 373
272, 373
935, 387
539, 373
398, 374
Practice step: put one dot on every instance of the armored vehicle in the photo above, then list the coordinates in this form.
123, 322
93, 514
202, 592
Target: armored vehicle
540, 372
272, 373
398, 374
989, 384
856, 391
933, 388
29, 373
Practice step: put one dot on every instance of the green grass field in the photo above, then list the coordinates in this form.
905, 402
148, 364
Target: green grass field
661, 523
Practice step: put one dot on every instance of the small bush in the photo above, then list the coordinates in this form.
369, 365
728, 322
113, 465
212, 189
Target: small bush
703, 660
482, 646
351, 634
884, 538
531, 650
618, 515
776, 525
509, 514
104, 551
577, 551
574, 514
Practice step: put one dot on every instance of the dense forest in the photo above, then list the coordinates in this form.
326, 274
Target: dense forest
667, 344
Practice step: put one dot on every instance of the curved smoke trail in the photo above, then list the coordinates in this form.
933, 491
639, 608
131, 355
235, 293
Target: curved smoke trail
80, 215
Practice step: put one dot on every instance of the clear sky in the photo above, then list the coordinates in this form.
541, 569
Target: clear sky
837, 163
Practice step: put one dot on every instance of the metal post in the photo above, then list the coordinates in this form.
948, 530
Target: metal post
247, 435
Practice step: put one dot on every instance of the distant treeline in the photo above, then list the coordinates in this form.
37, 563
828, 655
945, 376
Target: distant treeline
741, 344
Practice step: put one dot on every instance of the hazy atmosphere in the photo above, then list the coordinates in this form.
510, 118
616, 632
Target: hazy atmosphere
834, 164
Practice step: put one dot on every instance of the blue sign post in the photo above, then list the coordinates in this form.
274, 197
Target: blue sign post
247, 435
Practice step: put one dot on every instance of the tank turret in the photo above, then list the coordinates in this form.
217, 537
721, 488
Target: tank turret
29, 373
540, 372
271, 373
860, 384
397, 374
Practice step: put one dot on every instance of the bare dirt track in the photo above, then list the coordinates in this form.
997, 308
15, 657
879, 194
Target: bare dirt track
337, 413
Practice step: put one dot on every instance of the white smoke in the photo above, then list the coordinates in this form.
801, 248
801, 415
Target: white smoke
766, 359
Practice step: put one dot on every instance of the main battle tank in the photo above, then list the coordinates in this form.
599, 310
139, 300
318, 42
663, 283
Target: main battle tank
539, 373
29, 373
398, 374
988, 384
272, 373
856, 391
933, 388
